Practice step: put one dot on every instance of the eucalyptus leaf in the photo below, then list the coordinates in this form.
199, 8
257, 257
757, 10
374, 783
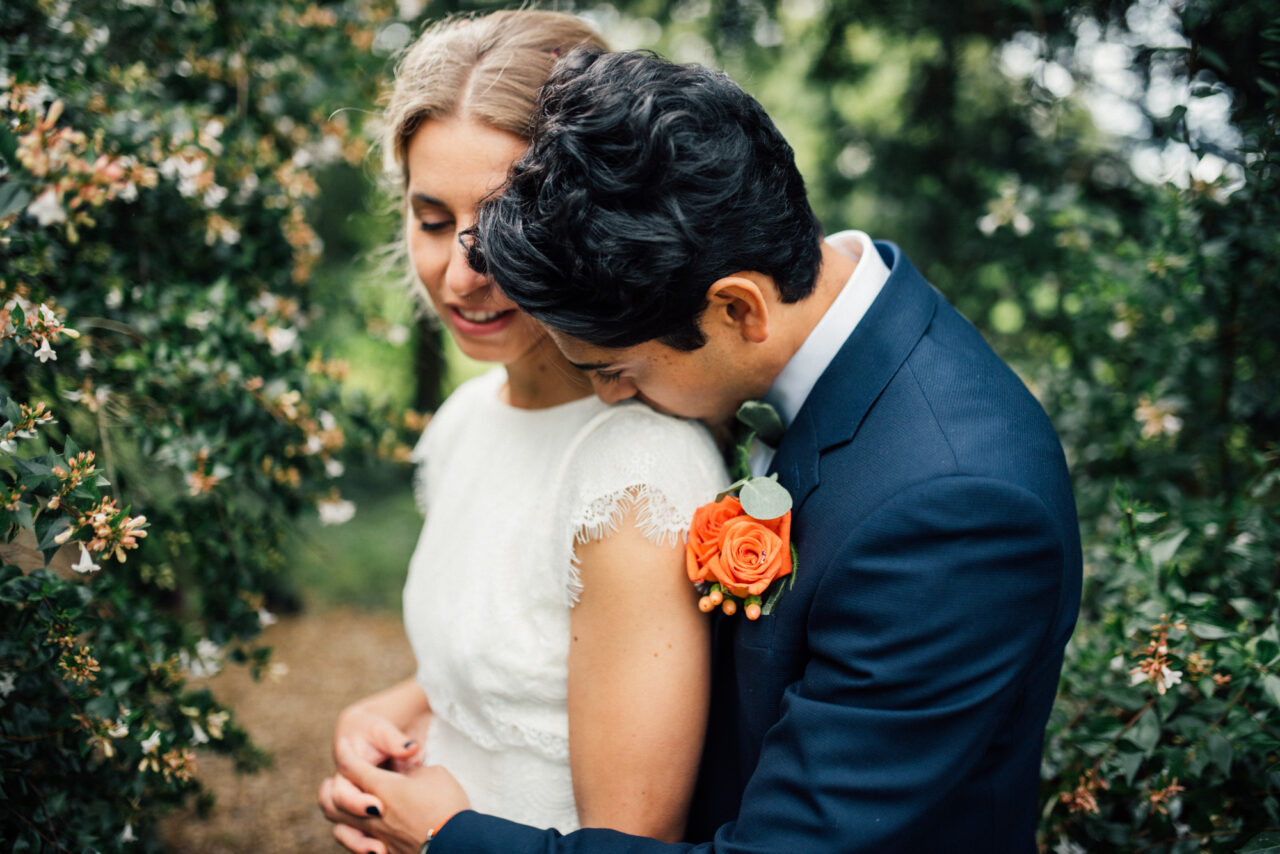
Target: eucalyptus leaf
764, 498
737, 484
763, 419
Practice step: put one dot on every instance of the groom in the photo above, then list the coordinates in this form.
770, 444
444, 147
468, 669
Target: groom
896, 698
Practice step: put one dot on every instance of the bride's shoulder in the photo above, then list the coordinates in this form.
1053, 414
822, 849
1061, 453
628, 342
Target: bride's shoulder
647, 439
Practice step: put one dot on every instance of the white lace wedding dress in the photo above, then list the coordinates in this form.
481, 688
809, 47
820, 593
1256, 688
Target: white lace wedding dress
506, 493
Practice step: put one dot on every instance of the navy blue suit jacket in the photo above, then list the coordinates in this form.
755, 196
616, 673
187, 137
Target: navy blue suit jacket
896, 699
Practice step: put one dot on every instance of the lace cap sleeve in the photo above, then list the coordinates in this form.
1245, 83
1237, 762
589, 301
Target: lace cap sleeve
632, 458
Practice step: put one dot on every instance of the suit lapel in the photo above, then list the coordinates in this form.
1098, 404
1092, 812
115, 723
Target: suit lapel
847, 389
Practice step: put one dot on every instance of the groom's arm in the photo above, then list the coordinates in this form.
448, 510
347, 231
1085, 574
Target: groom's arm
920, 636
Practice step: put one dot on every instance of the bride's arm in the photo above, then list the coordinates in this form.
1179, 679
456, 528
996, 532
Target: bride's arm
390, 724
639, 679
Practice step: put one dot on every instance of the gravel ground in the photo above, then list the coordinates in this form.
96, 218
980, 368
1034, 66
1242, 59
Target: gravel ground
333, 657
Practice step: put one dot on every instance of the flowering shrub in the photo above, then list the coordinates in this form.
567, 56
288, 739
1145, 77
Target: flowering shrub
165, 420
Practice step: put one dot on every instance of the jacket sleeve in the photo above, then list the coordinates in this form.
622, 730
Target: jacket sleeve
919, 635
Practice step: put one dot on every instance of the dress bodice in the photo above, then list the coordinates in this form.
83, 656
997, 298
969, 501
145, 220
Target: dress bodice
507, 493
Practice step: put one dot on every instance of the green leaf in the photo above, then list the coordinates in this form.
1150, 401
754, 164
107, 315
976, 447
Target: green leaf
25, 588
1268, 87
1247, 608
1263, 843
8, 145
764, 498
1205, 631
13, 198
1145, 734
32, 468
47, 530
1220, 751
1129, 765
1163, 551
1213, 58
1271, 684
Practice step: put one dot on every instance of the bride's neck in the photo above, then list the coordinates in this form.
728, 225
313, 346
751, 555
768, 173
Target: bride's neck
542, 377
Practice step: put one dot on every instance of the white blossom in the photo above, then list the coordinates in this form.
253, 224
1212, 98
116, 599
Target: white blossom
86, 563
46, 353
47, 208
215, 722
335, 511
8, 680
198, 735
333, 468
151, 743
1163, 680
207, 661
127, 834
281, 339
266, 618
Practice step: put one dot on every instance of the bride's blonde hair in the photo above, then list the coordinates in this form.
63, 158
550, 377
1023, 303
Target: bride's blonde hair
487, 68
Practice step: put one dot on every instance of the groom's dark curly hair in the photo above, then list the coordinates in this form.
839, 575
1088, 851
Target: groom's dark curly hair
644, 183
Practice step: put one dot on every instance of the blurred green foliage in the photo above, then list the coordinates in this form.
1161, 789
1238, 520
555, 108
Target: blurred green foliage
159, 170
1093, 183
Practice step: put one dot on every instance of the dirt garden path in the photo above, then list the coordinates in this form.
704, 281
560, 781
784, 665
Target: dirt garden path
333, 657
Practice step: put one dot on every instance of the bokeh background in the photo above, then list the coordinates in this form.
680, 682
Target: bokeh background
200, 289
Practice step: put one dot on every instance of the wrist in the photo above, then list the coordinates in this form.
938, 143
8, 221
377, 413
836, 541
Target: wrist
431, 834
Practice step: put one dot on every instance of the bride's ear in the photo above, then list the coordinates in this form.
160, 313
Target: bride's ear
739, 301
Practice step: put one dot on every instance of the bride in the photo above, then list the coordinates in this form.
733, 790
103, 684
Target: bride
562, 665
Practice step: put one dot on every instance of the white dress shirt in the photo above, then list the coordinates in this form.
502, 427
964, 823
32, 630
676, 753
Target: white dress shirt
792, 386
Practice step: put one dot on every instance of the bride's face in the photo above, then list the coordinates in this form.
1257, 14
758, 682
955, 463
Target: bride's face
453, 164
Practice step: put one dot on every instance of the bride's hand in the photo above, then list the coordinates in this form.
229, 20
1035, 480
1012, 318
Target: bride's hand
376, 739
408, 806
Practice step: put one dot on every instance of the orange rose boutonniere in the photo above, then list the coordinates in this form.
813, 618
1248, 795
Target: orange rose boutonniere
740, 545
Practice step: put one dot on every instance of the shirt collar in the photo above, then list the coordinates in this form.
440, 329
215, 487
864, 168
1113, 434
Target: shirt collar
792, 386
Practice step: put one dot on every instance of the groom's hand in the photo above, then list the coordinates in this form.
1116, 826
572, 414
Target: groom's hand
409, 805
355, 806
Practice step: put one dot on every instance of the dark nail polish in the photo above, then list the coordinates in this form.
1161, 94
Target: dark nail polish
409, 744
373, 811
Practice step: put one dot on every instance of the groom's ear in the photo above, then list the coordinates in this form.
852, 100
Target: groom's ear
740, 301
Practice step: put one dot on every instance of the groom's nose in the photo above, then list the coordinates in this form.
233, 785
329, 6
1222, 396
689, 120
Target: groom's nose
460, 277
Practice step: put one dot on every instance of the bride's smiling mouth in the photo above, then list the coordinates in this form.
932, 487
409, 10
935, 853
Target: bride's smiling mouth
477, 322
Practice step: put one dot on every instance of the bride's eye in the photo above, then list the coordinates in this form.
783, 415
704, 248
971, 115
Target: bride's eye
611, 377
428, 225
